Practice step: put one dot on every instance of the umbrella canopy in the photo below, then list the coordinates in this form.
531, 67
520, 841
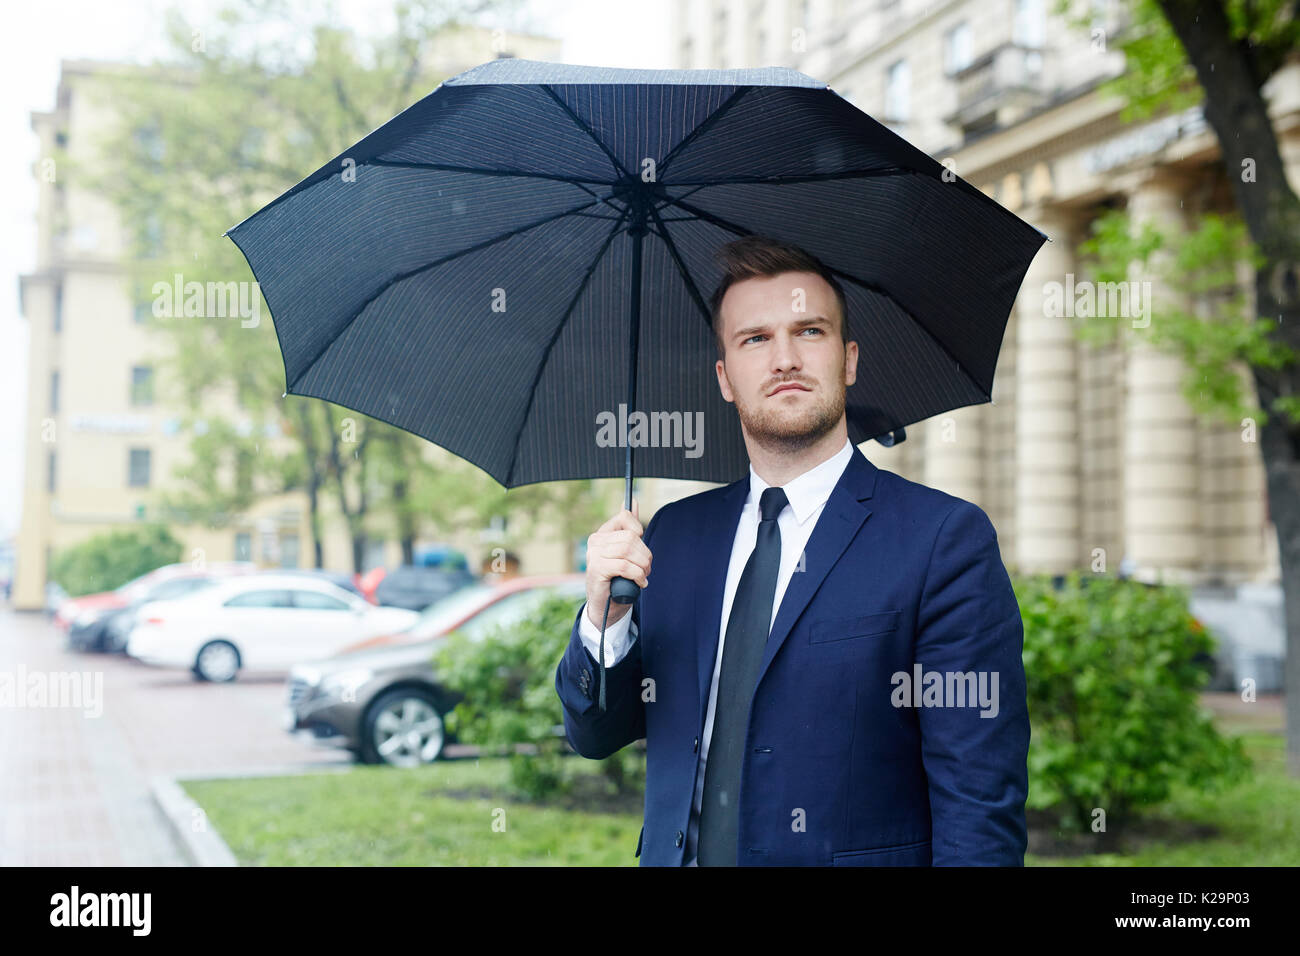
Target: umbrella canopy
530, 246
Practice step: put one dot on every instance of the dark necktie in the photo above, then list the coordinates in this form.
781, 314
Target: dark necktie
742, 652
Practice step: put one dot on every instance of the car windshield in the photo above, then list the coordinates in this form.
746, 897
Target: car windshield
137, 588
443, 613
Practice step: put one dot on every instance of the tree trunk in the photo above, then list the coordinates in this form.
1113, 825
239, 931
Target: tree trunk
1231, 74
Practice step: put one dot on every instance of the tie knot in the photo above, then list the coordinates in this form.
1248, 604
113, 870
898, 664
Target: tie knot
771, 503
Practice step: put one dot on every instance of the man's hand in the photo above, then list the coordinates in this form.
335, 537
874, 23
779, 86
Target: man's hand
615, 550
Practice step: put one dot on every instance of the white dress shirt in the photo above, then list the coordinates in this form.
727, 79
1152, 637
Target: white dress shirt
807, 496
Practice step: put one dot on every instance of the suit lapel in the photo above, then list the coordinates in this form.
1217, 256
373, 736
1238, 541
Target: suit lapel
837, 525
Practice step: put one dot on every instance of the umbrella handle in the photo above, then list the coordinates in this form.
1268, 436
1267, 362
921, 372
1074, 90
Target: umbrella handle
623, 591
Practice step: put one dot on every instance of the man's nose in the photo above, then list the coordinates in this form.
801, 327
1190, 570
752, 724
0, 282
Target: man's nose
785, 357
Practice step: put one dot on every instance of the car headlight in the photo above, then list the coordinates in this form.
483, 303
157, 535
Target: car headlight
308, 675
347, 682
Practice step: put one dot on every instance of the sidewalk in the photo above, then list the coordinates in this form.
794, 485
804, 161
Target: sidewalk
71, 793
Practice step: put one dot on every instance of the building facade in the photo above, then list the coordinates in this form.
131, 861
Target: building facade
1087, 456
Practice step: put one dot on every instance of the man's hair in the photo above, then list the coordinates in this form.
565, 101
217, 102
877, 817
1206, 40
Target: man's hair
752, 256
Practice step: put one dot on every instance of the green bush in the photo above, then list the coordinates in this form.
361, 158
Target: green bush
111, 559
508, 679
1113, 670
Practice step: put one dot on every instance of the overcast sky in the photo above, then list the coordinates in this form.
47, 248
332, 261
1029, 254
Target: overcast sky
38, 35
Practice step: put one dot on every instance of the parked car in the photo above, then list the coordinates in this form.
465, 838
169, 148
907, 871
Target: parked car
342, 579
415, 587
1250, 624
107, 628
85, 609
263, 621
381, 700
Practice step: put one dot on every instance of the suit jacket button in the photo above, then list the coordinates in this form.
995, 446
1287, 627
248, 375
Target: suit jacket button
696, 748
679, 837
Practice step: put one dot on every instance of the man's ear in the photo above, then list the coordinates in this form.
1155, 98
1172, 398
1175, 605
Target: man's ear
723, 385
850, 363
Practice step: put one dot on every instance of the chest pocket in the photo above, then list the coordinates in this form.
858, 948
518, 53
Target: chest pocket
848, 628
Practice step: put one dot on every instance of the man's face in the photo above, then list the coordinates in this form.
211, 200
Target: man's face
770, 346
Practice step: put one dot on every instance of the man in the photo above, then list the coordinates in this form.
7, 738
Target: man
827, 668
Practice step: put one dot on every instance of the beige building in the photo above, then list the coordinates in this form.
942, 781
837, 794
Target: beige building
1086, 456
103, 438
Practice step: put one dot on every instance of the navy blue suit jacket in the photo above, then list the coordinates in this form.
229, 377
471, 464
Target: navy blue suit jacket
842, 767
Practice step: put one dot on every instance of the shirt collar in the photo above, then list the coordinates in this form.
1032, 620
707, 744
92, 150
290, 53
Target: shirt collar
809, 491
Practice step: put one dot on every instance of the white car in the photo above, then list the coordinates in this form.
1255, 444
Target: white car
263, 621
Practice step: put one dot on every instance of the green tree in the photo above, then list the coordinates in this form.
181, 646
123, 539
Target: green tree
232, 117
109, 560
1219, 54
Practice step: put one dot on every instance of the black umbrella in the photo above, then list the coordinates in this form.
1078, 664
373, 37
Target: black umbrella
504, 263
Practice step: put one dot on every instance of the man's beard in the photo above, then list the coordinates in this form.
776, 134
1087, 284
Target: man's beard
789, 433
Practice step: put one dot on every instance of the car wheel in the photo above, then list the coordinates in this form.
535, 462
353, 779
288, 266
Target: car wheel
217, 661
403, 728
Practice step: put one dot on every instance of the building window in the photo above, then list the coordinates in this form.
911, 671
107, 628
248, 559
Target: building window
1029, 24
49, 472
141, 385
243, 546
58, 307
957, 48
288, 550
897, 82
138, 468
1029, 31
54, 392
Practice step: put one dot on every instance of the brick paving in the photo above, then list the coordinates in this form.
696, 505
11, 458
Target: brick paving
74, 788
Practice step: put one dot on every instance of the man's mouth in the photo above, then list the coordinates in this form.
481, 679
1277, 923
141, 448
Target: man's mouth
787, 387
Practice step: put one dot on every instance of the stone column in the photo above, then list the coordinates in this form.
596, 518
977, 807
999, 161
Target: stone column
1161, 461
953, 457
1046, 393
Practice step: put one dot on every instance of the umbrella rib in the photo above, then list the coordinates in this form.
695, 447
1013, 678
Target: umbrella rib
555, 336
681, 267
708, 121
732, 227
416, 271
578, 121
480, 171
788, 180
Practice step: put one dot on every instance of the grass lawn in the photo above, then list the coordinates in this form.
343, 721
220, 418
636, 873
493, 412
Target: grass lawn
451, 813
444, 815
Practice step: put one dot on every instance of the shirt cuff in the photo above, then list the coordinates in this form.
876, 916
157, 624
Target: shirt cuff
618, 637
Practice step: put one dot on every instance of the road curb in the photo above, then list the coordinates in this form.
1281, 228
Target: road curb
204, 845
